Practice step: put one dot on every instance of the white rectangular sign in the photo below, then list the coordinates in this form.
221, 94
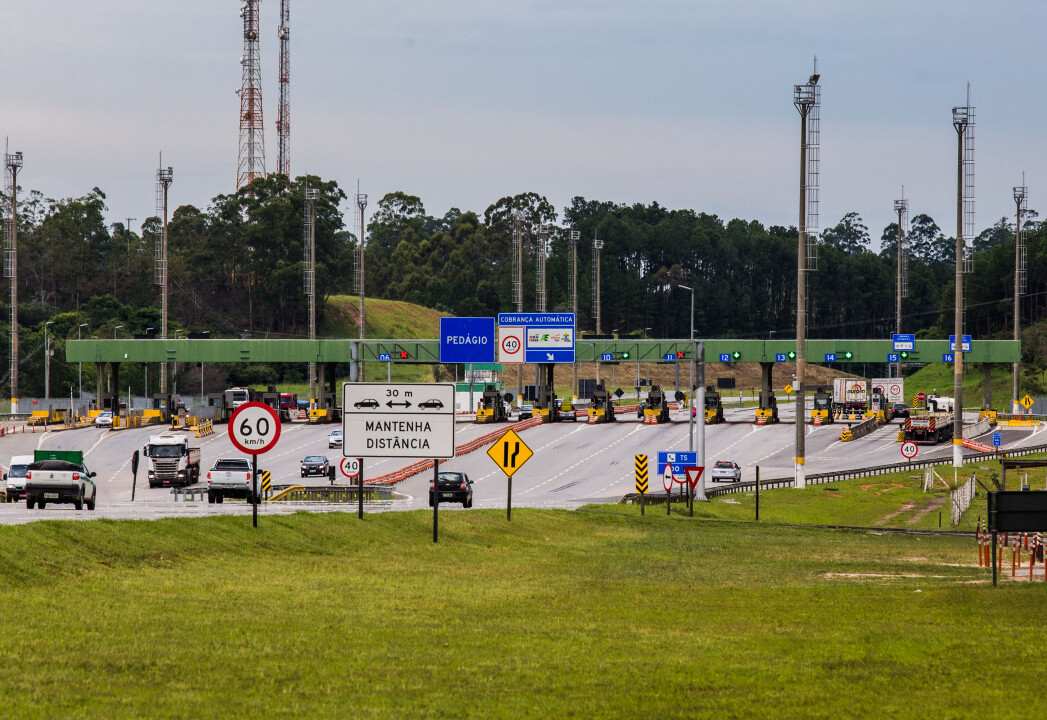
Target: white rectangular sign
511, 344
404, 420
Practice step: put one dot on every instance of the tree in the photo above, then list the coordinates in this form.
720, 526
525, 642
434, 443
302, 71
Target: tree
1002, 231
850, 235
924, 238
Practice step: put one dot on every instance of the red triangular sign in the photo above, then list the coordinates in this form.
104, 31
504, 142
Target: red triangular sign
694, 474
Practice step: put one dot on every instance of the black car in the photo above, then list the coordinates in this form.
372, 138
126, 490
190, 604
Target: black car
431, 405
315, 465
900, 410
453, 487
366, 403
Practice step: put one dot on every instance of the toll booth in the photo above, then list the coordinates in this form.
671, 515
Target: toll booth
713, 406
221, 410
272, 399
326, 410
602, 408
106, 401
546, 404
161, 405
879, 405
767, 412
657, 410
492, 407
822, 413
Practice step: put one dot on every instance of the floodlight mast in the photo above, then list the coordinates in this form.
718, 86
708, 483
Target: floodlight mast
902, 208
1021, 199
12, 165
807, 99
963, 122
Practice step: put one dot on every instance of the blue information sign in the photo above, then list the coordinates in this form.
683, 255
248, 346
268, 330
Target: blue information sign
384, 357
948, 357
606, 357
548, 337
830, 357
966, 343
679, 461
893, 357
904, 342
725, 357
466, 340
670, 357
997, 439
780, 357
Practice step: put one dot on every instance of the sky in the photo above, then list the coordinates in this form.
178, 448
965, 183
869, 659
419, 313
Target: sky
463, 102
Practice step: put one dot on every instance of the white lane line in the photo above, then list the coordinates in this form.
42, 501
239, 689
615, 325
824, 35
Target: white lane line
599, 451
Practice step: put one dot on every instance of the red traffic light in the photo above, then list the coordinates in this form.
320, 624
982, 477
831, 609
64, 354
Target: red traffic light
403, 354
679, 355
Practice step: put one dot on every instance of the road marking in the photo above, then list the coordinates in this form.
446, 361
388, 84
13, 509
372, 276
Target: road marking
584, 460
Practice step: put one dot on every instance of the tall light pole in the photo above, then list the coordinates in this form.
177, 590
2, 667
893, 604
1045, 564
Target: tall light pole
691, 390
174, 375
12, 165
963, 122
806, 98
902, 208
146, 366
79, 332
208, 333
164, 178
1020, 201
47, 362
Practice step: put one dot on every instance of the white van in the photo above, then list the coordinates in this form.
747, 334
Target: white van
15, 477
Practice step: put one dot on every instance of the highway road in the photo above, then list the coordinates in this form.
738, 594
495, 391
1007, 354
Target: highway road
573, 463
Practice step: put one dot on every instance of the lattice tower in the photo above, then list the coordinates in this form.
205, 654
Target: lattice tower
539, 266
597, 247
518, 262
901, 207
572, 283
361, 278
1021, 258
12, 165
283, 120
252, 143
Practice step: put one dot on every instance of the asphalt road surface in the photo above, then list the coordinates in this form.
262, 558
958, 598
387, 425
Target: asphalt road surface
573, 463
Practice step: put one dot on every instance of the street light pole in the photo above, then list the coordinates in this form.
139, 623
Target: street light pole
47, 363
690, 393
79, 332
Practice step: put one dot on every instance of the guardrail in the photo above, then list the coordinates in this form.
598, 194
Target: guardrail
823, 478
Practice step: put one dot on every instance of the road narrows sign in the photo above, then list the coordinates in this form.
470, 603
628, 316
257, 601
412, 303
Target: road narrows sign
909, 450
1027, 402
509, 452
254, 428
641, 474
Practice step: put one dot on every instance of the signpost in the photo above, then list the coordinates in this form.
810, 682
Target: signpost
667, 483
921, 396
641, 479
350, 466
905, 342
909, 450
509, 453
788, 389
694, 474
511, 344
965, 341
254, 429
403, 420
547, 337
1015, 511
997, 439
466, 340
1027, 402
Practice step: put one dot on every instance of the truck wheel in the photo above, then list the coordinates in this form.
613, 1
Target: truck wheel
42, 504
91, 503
29, 502
219, 499
210, 498
78, 503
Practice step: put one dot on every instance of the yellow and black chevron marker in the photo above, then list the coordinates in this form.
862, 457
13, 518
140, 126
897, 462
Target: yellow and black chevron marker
641, 474
266, 476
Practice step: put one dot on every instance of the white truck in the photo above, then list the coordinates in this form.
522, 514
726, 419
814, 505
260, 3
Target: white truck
229, 477
171, 461
15, 477
850, 395
934, 426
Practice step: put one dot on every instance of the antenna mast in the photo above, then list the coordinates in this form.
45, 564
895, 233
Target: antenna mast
283, 120
902, 290
252, 142
963, 122
1021, 201
12, 164
164, 178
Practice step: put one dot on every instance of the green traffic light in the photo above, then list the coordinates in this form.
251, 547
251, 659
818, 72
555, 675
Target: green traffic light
847, 354
736, 355
792, 355
625, 356
905, 354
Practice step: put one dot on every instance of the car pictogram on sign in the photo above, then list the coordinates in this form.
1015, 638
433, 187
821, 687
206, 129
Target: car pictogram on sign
432, 404
366, 403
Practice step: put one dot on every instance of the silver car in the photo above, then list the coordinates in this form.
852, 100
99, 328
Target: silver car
335, 440
726, 471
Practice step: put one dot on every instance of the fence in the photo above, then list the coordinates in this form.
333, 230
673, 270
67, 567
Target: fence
960, 499
822, 478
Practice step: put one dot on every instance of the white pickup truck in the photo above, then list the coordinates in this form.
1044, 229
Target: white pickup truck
59, 481
229, 477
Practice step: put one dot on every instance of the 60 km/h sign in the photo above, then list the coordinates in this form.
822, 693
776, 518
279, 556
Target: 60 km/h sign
254, 428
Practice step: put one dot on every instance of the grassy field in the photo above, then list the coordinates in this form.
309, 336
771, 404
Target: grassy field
938, 377
583, 614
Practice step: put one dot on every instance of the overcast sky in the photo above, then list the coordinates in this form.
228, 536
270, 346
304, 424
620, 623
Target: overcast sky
462, 102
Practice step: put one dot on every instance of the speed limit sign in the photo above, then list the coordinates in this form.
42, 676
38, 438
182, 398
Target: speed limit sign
350, 467
254, 428
909, 450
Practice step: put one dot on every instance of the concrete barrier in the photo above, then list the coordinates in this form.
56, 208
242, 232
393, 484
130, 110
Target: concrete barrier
979, 428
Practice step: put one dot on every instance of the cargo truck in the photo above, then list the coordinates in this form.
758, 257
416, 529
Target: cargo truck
172, 463
932, 427
850, 396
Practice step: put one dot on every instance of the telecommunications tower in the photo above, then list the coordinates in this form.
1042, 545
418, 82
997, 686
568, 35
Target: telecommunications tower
283, 120
252, 143
309, 285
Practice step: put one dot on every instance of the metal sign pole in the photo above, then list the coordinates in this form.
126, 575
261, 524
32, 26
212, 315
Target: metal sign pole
360, 487
254, 490
757, 492
134, 474
436, 500
509, 500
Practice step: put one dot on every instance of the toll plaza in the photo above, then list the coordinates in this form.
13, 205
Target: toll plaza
601, 410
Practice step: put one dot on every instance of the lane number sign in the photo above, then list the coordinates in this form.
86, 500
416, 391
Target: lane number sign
254, 428
909, 450
350, 467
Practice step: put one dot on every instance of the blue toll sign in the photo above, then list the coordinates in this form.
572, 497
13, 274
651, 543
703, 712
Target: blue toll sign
893, 357
725, 357
830, 357
384, 357
606, 357
467, 340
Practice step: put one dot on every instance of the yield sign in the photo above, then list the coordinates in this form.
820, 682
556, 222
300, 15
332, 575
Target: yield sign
694, 474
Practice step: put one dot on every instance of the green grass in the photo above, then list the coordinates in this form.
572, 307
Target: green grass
386, 319
937, 378
583, 614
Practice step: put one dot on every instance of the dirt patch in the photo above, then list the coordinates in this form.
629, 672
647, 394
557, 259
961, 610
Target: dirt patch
887, 487
878, 576
934, 504
836, 495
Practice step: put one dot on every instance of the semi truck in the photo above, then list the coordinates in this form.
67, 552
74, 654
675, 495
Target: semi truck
934, 426
59, 476
171, 461
850, 395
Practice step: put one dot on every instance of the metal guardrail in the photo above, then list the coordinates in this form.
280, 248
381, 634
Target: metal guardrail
823, 478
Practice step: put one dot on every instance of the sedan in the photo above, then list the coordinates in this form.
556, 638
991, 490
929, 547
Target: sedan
725, 470
366, 403
453, 487
315, 465
104, 419
430, 405
335, 439
900, 410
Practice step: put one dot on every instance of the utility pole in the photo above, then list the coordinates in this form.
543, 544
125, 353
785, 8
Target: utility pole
597, 247
310, 281
963, 122
518, 291
47, 363
127, 230
13, 163
1021, 203
575, 235
806, 98
902, 208
361, 204
164, 178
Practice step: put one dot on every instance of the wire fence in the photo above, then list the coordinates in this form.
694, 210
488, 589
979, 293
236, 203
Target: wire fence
960, 500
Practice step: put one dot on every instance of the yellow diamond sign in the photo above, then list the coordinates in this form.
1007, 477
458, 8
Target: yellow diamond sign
509, 452
788, 389
1027, 402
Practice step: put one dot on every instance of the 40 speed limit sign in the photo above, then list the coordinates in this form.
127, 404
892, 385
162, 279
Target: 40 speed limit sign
254, 428
909, 450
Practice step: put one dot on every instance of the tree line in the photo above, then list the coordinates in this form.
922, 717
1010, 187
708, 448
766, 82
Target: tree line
236, 269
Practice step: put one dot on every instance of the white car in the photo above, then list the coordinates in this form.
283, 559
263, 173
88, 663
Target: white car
104, 419
726, 471
335, 440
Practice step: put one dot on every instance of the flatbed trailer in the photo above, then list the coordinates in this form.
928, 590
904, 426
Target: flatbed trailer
929, 428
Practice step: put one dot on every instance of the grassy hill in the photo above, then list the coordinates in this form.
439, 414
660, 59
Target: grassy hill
937, 378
